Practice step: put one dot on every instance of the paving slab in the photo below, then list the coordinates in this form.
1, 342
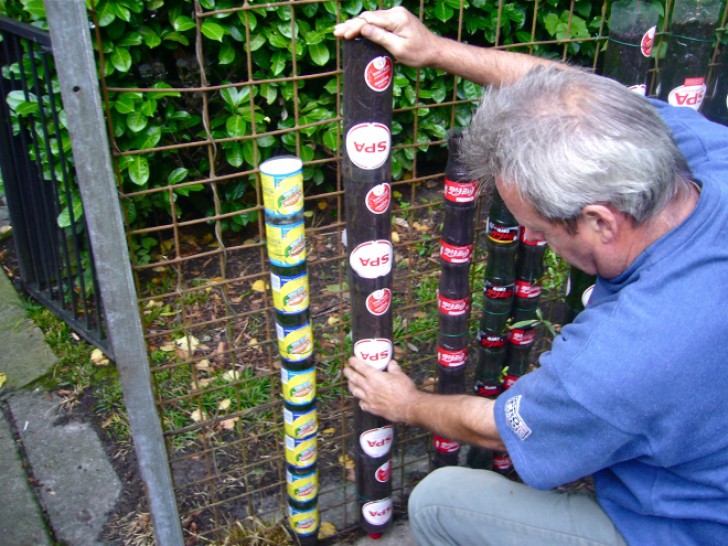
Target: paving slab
75, 482
21, 520
25, 356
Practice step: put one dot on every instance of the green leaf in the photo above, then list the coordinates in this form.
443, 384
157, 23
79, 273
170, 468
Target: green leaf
226, 54
319, 54
105, 14
121, 59
178, 175
331, 139
139, 170
235, 126
64, 218
256, 42
150, 37
234, 154
136, 121
186, 190
182, 23
231, 96
151, 138
213, 31
278, 63
443, 12
130, 39
176, 37
35, 8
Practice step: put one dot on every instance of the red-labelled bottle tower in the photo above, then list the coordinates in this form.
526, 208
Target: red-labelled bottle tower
366, 166
453, 295
282, 184
512, 291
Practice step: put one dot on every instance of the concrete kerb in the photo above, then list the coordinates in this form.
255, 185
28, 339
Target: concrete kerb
75, 484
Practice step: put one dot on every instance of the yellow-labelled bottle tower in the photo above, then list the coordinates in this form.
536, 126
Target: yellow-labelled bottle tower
282, 183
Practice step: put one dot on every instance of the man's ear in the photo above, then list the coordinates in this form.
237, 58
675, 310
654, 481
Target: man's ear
601, 221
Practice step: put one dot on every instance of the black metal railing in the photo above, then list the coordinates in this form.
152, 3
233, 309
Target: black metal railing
50, 237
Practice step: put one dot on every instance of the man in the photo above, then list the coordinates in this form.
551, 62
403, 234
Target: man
632, 392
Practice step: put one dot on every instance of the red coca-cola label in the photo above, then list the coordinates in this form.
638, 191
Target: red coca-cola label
377, 442
502, 462
377, 512
377, 303
648, 40
486, 390
518, 336
452, 359
452, 308
444, 445
455, 254
461, 192
498, 291
527, 238
379, 198
491, 340
378, 73
384, 472
501, 234
508, 381
527, 290
372, 259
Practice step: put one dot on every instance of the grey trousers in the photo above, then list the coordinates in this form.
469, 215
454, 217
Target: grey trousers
464, 507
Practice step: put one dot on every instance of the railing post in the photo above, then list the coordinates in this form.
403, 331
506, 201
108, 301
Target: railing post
69, 28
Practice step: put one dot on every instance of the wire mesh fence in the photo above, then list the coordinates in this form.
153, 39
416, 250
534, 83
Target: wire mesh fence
251, 83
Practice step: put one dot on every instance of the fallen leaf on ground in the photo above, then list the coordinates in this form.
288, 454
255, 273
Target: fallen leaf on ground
98, 358
187, 344
326, 530
260, 285
198, 415
3, 379
224, 404
229, 424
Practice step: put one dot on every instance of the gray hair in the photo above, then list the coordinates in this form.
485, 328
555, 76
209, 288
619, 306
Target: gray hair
568, 138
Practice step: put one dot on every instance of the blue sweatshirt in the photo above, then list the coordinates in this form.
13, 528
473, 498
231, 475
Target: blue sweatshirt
634, 391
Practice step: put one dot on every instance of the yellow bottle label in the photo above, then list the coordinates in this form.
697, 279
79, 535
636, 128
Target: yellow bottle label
302, 488
303, 522
299, 388
300, 424
290, 294
295, 343
286, 244
282, 182
300, 453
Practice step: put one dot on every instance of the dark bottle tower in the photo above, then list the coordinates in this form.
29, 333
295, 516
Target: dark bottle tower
366, 167
453, 298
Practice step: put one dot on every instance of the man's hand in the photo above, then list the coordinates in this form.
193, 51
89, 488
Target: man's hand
388, 394
398, 31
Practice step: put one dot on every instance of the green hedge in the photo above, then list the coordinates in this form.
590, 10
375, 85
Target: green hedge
151, 44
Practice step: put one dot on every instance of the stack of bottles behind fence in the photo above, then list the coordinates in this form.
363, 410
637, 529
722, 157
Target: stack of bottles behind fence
366, 167
453, 295
512, 291
282, 183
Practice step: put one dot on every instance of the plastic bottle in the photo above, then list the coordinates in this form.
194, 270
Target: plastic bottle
461, 191
632, 29
290, 288
501, 227
295, 336
684, 69
578, 291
